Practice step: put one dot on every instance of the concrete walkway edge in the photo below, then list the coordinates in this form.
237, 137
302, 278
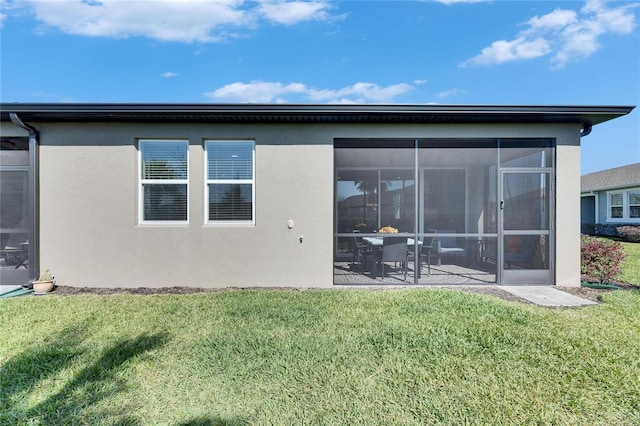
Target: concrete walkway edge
545, 295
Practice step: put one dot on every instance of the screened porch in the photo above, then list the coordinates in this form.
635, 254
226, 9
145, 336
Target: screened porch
443, 211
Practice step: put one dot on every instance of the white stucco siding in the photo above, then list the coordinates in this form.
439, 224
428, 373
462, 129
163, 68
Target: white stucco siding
567, 263
89, 189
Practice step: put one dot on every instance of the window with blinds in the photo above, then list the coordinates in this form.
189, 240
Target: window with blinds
164, 171
624, 206
616, 205
230, 181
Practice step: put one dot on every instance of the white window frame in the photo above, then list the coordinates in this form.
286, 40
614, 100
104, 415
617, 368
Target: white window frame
626, 211
628, 198
208, 182
142, 182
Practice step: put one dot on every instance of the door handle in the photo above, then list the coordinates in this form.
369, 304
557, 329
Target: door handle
501, 204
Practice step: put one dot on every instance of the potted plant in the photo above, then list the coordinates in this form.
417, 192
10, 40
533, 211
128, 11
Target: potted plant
44, 284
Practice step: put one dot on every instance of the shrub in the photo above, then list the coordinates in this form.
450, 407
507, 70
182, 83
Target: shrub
588, 228
606, 230
601, 259
629, 233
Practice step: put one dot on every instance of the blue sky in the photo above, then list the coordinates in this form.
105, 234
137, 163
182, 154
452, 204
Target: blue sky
438, 51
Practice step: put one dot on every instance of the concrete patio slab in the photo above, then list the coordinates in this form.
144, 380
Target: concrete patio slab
544, 295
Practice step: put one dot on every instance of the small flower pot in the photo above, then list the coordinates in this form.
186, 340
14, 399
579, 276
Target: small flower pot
41, 287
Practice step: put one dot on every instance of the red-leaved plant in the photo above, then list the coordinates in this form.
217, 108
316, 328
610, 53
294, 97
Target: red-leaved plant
601, 259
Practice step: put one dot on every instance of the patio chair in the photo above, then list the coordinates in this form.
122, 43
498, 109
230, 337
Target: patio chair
360, 252
425, 254
394, 249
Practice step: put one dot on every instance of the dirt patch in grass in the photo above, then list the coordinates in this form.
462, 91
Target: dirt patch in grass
145, 291
72, 291
595, 294
592, 294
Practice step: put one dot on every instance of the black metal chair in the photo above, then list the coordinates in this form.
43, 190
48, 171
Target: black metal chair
360, 252
427, 246
394, 249
425, 254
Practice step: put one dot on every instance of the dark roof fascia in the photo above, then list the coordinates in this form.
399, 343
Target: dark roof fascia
285, 113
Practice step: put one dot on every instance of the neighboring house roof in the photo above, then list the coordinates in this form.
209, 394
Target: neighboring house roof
283, 113
619, 177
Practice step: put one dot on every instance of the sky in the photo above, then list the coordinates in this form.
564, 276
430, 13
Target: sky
454, 52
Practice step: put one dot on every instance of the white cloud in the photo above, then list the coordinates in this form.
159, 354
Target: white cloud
169, 74
452, 92
292, 12
256, 91
8, 8
170, 20
268, 92
619, 20
566, 35
505, 51
556, 19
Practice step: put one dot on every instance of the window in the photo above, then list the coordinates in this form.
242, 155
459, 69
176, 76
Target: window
230, 181
617, 205
164, 181
634, 204
624, 206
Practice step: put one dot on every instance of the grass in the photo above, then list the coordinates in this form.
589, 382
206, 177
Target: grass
631, 267
317, 357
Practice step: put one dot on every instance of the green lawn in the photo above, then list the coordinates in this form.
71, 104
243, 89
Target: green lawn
317, 357
631, 267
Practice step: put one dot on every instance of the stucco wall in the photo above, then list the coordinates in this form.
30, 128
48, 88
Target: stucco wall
567, 225
89, 216
89, 228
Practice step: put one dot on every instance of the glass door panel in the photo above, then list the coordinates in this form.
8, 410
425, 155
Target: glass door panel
526, 227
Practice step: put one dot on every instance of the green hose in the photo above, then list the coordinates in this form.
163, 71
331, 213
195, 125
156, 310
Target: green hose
600, 286
15, 292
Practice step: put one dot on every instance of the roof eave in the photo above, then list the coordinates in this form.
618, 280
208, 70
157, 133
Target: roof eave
400, 113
